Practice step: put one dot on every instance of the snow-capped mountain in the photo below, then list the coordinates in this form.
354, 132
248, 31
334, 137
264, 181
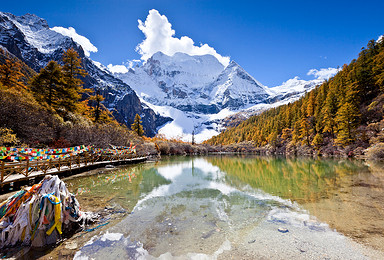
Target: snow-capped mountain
235, 89
198, 92
30, 39
197, 84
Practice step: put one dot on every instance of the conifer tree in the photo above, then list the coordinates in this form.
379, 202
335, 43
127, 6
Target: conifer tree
305, 131
97, 98
137, 126
311, 104
378, 70
317, 141
48, 84
73, 72
10, 75
296, 132
329, 112
347, 120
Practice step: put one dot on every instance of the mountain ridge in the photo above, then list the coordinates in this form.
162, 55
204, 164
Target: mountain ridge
203, 92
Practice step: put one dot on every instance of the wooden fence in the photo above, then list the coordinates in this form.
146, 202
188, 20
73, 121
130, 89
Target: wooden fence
15, 171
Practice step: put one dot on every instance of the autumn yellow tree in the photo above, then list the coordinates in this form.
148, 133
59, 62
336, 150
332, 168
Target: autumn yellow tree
10, 74
73, 73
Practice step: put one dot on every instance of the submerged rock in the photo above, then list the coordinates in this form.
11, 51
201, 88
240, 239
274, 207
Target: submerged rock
283, 230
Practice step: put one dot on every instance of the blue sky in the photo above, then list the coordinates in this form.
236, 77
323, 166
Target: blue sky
273, 40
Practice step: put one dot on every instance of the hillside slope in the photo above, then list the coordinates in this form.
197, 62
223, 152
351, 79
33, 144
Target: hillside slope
343, 115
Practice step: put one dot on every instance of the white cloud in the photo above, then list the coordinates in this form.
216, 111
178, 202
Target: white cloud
88, 47
133, 63
130, 64
159, 36
300, 85
324, 73
381, 37
117, 68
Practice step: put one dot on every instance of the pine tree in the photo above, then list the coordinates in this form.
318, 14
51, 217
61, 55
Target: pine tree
286, 134
10, 75
329, 114
310, 111
73, 72
305, 131
48, 84
317, 141
136, 126
347, 120
97, 98
378, 70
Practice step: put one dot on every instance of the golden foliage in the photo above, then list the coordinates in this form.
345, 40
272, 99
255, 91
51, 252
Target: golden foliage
332, 111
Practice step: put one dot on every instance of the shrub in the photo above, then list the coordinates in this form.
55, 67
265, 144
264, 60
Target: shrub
376, 152
164, 148
7, 137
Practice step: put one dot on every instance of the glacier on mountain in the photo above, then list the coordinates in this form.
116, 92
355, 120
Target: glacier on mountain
198, 93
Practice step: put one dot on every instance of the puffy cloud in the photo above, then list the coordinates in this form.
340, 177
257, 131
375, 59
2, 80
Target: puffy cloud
124, 67
323, 74
88, 47
297, 84
117, 68
159, 36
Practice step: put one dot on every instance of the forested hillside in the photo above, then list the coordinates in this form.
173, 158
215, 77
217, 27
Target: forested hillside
344, 115
51, 108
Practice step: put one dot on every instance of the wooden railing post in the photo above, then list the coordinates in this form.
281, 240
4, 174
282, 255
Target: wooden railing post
2, 171
59, 163
27, 168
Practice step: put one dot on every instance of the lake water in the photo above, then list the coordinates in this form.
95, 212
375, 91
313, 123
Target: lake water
235, 207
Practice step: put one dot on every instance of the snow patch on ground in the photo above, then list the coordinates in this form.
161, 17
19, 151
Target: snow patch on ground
185, 123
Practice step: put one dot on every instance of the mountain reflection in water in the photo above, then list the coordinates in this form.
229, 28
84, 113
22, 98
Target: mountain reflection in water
219, 206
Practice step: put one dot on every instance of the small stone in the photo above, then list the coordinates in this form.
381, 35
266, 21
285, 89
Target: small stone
71, 245
283, 230
252, 241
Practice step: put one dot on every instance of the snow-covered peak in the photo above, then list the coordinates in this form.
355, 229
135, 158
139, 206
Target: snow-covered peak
34, 22
295, 85
36, 31
235, 89
233, 64
184, 63
234, 67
